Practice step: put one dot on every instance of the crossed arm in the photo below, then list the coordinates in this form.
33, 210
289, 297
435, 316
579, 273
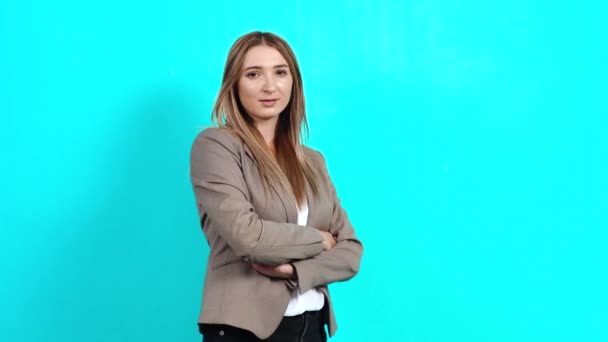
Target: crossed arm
287, 271
339, 263
316, 257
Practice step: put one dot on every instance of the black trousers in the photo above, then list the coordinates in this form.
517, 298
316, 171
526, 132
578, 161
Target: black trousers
307, 327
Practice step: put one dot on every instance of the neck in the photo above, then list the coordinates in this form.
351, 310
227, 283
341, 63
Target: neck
267, 129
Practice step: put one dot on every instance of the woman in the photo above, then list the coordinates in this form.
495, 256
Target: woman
267, 206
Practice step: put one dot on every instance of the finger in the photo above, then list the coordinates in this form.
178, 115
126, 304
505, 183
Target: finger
269, 271
282, 268
260, 268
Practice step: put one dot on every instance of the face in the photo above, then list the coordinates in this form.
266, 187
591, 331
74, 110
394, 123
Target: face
265, 83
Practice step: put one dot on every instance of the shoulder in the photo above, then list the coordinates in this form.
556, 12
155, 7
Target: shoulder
217, 140
311, 153
219, 135
317, 162
315, 157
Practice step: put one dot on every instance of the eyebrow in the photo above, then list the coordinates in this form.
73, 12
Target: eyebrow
259, 67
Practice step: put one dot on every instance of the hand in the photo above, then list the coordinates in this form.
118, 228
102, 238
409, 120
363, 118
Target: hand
328, 240
285, 271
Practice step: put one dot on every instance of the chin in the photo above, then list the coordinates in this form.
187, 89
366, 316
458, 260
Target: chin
268, 114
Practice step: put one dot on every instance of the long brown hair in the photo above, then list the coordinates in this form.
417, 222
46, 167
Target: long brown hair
290, 169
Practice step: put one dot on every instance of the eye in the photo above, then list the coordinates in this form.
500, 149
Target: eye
251, 74
282, 72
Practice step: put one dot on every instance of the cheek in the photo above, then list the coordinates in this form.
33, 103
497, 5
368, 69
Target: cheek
246, 92
286, 86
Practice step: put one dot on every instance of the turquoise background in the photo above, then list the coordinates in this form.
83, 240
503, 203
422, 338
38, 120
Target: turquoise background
467, 140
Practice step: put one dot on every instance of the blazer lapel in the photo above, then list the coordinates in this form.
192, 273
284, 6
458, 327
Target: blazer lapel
310, 221
291, 211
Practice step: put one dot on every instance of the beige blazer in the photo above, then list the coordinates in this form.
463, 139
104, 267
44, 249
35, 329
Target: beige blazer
242, 227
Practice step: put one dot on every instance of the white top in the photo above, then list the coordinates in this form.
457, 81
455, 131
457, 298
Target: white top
313, 299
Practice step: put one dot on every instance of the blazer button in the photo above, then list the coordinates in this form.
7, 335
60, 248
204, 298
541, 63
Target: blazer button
221, 332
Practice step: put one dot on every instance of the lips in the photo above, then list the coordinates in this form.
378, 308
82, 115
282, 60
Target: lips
269, 102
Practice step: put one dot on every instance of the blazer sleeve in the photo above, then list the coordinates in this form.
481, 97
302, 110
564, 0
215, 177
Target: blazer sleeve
337, 264
220, 191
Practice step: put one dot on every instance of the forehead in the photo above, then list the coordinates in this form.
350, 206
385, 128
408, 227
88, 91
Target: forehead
263, 56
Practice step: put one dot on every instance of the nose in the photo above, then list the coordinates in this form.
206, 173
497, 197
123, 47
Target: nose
269, 84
